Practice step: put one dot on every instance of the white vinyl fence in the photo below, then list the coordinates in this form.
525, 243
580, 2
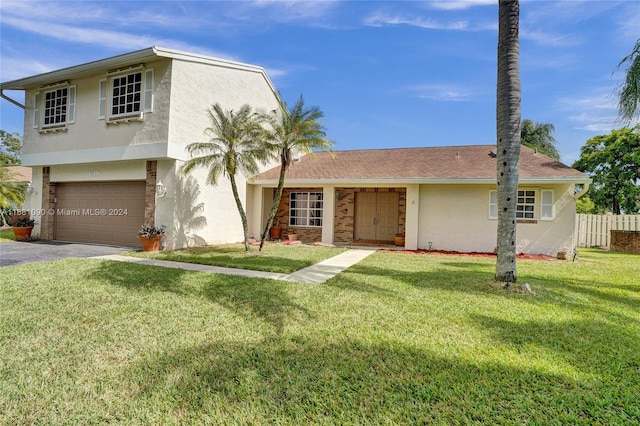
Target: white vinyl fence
592, 230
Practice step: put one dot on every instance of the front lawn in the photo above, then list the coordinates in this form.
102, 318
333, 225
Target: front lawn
280, 258
6, 235
396, 339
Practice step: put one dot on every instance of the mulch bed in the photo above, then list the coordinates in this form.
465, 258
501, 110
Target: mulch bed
469, 254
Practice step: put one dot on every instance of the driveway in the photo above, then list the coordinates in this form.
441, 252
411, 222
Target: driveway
16, 253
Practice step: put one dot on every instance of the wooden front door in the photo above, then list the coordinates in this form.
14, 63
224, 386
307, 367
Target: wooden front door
376, 216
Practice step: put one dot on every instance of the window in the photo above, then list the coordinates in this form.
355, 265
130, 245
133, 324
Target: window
126, 90
547, 211
57, 108
493, 204
128, 95
305, 209
526, 207
526, 204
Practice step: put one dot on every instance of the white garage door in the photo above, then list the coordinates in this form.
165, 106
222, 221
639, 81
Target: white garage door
100, 212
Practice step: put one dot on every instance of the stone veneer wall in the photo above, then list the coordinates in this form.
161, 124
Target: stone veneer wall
344, 218
305, 234
625, 241
47, 221
150, 193
345, 211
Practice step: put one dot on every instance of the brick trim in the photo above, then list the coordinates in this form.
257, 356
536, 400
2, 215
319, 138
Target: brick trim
47, 223
150, 193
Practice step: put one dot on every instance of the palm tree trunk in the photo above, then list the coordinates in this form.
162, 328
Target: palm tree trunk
243, 215
508, 133
274, 205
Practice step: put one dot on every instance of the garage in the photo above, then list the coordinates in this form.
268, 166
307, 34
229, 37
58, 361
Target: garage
100, 212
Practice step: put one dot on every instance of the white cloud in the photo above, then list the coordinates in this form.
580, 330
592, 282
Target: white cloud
458, 5
441, 92
382, 19
548, 39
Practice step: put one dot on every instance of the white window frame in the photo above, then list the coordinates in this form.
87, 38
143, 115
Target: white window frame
310, 216
526, 197
40, 108
547, 206
544, 204
106, 96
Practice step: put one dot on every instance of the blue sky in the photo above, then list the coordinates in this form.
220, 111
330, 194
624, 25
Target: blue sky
385, 74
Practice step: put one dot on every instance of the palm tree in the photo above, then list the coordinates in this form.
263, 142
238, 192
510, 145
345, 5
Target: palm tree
294, 131
508, 133
234, 146
11, 193
539, 136
629, 92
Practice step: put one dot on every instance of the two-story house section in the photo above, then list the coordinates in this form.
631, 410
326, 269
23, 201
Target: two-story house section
106, 140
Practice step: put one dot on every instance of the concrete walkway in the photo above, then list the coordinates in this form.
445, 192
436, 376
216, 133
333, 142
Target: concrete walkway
314, 274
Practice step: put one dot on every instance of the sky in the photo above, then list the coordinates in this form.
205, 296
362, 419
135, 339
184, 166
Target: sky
385, 74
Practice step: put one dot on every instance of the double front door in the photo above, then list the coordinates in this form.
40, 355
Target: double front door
376, 216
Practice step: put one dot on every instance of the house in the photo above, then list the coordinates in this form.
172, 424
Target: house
440, 198
106, 139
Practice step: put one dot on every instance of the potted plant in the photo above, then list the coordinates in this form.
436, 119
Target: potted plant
293, 236
275, 232
22, 228
150, 236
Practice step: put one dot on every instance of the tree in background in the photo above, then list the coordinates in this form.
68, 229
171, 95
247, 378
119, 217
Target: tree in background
539, 136
11, 193
613, 161
292, 131
508, 134
10, 149
235, 146
629, 91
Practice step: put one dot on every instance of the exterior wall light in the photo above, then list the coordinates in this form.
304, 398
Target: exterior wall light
30, 189
161, 190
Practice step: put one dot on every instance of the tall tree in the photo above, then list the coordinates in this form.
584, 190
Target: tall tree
539, 136
613, 161
508, 135
235, 146
629, 91
10, 149
292, 132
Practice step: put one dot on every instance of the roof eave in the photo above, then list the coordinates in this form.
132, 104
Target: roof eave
413, 181
127, 59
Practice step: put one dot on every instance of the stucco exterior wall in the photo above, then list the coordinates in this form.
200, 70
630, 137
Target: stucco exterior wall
196, 213
90, 138
195, 87
456, 217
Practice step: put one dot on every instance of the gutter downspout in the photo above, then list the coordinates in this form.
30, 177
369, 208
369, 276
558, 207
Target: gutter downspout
13, 101
584, 190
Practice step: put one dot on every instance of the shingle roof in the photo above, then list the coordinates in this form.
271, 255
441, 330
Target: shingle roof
429, 163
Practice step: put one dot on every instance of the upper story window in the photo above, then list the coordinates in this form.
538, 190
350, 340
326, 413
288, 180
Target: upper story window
531, 205
54, 108
126, 96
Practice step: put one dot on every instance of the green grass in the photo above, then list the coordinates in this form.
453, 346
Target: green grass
6, 235
273, 257
396, 339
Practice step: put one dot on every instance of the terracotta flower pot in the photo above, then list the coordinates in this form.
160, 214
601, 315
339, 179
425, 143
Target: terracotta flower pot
293, 237
275, 232
22, 233
150, 244
399, 240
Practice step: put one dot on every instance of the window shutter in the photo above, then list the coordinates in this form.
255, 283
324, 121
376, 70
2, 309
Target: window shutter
102, 99
36, 110
148, 91
546, 205
71, 110
493, 204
